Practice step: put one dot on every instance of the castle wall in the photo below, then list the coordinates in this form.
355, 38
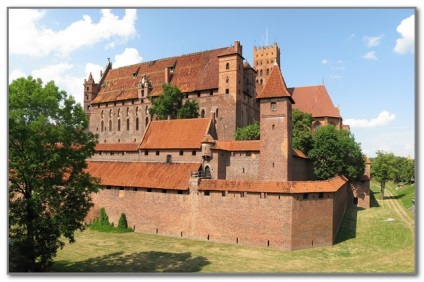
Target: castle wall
243, 166
302, 169
361, 191
341, 200
312, 220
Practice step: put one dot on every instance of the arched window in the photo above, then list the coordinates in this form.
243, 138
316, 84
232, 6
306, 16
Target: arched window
147, 121
147, 110
260, 72
136, 111
110, 125
103, 114
128, 124
110, 113
136, 124
227, 66
128, 111
267, 71
227, 79
102, 126
207, 172
202, 113
119, 112
216, 113
119, 125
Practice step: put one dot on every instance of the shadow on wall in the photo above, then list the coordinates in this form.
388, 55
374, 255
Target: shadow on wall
137, 262
347, 229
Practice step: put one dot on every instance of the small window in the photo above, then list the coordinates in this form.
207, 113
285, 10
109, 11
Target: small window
181, 152
227, 80
128, 124
248, 154
198, 94
305, 195
224, 194
168, 159
193, 153
164, 191
180, 192
321, 195
227, 91
227, 66
207, 193
157, 153
273, 106
146, 153
211, 93
149, 190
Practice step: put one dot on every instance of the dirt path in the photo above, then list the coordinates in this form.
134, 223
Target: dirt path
400, 211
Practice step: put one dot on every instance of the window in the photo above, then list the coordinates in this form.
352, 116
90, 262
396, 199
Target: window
202, 113
305, 195
198, 94
168, 159
216, 113
273, 106
136, 124
211, 93
110, 113
227, 79
149, 190
110, 125
146, 153
157, 153
136, 111
227, 66
207, 193
119, 112
267, 71
248, 154
103, 114
321, 195
193, 153
119, 125
260, 72
102, 126
181, 152
227, 91
128, 111
147, 121
128, 124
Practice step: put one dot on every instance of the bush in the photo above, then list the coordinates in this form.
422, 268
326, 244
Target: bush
102, 224
122, 223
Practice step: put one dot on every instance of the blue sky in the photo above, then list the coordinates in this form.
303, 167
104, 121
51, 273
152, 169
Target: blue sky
365, 57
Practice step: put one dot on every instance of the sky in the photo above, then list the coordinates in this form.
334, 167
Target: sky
365, 57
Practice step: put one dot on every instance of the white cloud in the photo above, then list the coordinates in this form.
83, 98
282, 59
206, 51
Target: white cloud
335, 76
340, 68
383, 119
372, 41
370, 56
130, 56
324, 62
16, 74
28, 37
406, 28
94, 70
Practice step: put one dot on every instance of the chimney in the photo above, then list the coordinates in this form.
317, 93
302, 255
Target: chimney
238, 47
167, 74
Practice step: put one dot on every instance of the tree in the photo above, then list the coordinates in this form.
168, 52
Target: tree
249, 132
336, 152
122, 223
301, 131
383, 168
49, 189
407, 174
170, 103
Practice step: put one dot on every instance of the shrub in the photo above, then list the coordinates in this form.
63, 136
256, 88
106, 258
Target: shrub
122, 223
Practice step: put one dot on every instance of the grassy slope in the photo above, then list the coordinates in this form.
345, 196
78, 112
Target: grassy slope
366, 244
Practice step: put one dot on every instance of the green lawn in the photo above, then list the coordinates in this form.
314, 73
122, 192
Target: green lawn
367, 243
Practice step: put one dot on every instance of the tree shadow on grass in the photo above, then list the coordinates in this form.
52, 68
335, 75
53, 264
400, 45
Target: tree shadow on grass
137, 262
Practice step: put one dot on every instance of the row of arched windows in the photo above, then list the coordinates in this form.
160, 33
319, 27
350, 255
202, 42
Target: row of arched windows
137, 111
137, 124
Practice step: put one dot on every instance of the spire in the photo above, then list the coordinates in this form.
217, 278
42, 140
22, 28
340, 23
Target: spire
275, 86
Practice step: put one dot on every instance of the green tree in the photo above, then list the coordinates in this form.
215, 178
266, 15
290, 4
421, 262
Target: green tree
49, 189
336, 152
407, 174
104, 219
122, 223
249, 132
170, 103
301, 131
383, 169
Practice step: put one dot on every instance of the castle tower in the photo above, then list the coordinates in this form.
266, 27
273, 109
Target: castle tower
275, 119
90, 91
230, 85
264, 59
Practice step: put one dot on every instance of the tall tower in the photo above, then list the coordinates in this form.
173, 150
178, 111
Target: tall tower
264, 59
275, 119
90, 91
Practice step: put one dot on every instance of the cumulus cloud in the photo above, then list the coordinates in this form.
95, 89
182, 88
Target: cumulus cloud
324, 62
370, 56
27, 35
94, 70
405, 44
15, 74
372, 41
130, 56
383, 119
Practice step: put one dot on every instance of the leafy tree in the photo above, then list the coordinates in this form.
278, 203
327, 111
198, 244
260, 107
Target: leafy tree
383, 169
336, 152
249, 132
122, 223
170, 103
49, 189
301, 131
407, 169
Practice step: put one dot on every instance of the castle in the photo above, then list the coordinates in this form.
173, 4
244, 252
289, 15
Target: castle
190, 178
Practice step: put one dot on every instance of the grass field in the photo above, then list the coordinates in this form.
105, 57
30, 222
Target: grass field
367, 243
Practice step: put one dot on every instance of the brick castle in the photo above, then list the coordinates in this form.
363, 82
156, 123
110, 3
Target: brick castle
189, 177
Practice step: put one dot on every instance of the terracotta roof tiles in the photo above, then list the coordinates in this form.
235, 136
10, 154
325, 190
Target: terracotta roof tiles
289, 187
275, 85
314, 100
138, 174
176, 134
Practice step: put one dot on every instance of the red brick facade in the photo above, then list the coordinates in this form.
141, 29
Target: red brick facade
189, 178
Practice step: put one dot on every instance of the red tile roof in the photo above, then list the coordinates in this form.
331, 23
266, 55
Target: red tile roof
299, 153
192, 72
314, 100
176, 134
275, 85
137, 174
117, 147
290, 187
